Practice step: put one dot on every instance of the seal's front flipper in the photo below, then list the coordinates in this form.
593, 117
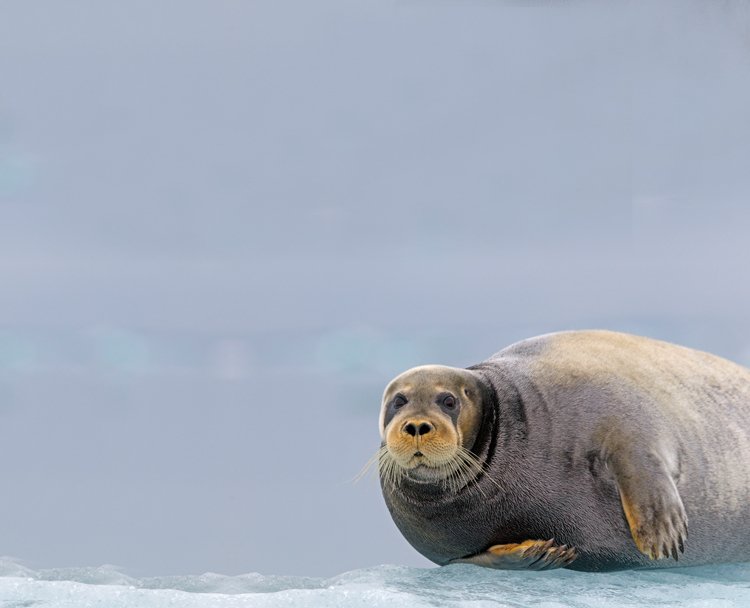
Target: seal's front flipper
651, 503
528, 555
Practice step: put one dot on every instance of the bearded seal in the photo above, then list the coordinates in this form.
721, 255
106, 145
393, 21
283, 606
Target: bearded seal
587, 450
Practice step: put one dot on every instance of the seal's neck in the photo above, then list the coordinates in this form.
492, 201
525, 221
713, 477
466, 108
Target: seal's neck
509, 420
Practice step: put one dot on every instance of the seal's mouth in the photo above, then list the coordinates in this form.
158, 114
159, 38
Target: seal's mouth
426, 461
420, 463
418, 459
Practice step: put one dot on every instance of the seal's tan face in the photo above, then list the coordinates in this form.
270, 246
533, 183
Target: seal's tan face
429, 419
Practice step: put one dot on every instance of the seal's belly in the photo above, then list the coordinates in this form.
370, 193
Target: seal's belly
472, 526
589, 519
443, 536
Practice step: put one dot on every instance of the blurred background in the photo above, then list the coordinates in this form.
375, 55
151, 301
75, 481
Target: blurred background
225, 225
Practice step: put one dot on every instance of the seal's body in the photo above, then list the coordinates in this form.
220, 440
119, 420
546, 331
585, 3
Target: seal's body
589, 450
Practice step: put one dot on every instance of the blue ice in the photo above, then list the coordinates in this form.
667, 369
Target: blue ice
391, 586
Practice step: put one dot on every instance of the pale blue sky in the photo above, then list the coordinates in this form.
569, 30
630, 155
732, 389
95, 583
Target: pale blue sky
225, 225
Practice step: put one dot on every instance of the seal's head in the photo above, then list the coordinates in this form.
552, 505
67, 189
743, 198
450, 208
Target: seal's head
429, 420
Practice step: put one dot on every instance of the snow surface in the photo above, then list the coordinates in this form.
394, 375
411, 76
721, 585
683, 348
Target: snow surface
391, 586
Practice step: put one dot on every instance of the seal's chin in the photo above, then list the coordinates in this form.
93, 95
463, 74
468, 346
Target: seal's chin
422, 468
425, 473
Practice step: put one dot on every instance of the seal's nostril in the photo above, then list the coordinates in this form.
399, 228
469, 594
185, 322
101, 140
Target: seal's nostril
417, 430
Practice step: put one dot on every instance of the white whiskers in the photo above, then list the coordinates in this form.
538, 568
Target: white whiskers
368, 465
456, 473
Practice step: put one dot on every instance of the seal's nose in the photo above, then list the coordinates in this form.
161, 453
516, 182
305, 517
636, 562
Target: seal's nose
416, 429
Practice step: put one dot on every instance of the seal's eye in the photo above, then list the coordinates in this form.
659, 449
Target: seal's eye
399, 401
448, 402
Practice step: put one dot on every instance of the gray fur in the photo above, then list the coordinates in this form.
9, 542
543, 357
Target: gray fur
563, 414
